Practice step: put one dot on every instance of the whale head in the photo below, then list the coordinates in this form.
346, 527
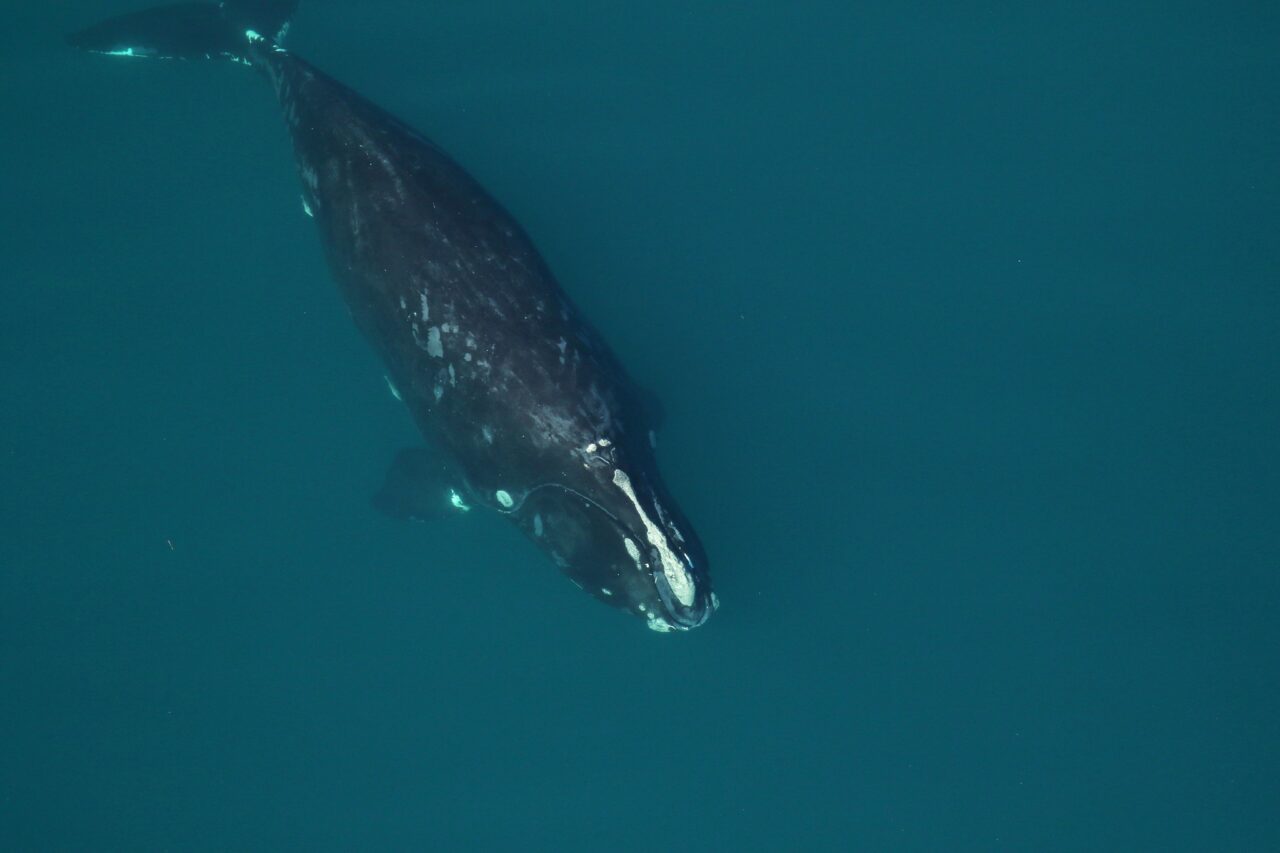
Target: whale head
617, 535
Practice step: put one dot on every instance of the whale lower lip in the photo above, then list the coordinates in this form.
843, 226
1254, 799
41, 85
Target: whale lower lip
675, 614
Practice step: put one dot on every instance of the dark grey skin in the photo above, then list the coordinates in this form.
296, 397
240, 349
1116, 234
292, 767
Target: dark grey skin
525, 410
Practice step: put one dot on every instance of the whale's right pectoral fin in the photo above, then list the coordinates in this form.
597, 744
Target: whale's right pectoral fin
419, 487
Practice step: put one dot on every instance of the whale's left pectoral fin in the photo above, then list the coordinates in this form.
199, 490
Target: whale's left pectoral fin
189, 30
419, 487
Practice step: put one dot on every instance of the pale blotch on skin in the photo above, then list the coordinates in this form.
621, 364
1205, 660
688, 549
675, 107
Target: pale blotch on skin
434, 347
633, 551
656, 624
504, 498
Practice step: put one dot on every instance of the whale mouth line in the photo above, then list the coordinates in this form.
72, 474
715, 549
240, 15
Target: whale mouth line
676, 616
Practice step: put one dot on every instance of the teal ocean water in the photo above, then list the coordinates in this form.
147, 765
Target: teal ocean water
967, 324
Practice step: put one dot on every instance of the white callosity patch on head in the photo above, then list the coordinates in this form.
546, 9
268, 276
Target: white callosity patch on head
426, 311
674, 570
504, 498
633, 551
434, 347
537, 524
656, 624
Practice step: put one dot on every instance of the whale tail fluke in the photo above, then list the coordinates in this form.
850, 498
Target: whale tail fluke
189, 30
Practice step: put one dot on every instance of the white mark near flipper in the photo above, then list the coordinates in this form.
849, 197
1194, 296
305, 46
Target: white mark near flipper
606, 591
310, 178
453, 377
395, 392
504, 498
458, 502
653, 439
404, 306
537, 524
306, 208
439, 392
487, 433
466, 356
425, 312
674, 570
434, 347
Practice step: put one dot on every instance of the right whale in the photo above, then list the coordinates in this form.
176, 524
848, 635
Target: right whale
525, 410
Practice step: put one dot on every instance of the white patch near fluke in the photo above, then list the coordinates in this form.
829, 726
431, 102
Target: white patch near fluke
674, 570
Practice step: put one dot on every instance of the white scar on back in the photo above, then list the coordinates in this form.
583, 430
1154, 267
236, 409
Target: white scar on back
672, 568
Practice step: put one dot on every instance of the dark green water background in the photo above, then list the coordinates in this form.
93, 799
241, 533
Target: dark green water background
967, 322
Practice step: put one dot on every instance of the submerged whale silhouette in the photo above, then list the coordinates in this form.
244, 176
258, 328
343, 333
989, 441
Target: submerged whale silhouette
525, 410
